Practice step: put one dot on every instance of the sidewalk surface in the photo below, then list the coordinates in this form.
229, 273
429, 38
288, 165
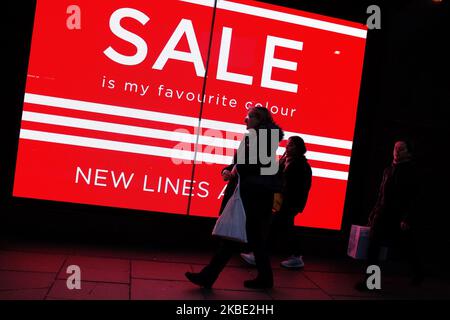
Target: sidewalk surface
38, 272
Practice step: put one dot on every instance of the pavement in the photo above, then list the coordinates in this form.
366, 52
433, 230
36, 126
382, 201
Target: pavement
38, 271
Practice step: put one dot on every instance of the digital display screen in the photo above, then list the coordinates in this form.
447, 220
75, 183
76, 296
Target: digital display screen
118, 110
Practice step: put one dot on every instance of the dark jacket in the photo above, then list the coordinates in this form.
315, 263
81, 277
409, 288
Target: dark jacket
252, 181
297, 176
396, 197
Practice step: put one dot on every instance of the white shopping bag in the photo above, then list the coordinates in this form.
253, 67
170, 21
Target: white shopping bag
358, 243
231, 224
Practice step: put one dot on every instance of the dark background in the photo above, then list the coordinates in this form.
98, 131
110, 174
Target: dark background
404, 94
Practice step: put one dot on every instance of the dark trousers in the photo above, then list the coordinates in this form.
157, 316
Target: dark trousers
258, 207
283, 231
407, 240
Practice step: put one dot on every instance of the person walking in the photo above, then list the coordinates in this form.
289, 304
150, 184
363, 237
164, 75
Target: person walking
257, 191
296, 177
393, 218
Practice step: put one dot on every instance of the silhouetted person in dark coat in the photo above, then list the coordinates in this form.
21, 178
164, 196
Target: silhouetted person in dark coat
257, 187
296, 177
393, 218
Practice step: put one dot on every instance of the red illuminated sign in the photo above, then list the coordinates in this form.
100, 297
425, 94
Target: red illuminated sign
112, 107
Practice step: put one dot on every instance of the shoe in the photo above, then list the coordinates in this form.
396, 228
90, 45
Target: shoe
249, 258
258, 284
197, 279
293, 262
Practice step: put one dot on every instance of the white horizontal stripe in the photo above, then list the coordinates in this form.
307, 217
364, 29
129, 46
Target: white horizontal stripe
321, 141
149, 150
332, 174
161, 134
128, 130
109, 109
122, 146
284, 17
326, 157
168, 118
321, 156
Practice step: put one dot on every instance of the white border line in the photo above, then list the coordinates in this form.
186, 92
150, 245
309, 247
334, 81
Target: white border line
282, 16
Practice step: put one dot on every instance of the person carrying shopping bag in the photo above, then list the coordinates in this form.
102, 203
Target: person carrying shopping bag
257, 180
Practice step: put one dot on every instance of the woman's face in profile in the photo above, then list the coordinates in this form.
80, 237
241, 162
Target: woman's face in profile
400, 151
290, 147
251, 120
